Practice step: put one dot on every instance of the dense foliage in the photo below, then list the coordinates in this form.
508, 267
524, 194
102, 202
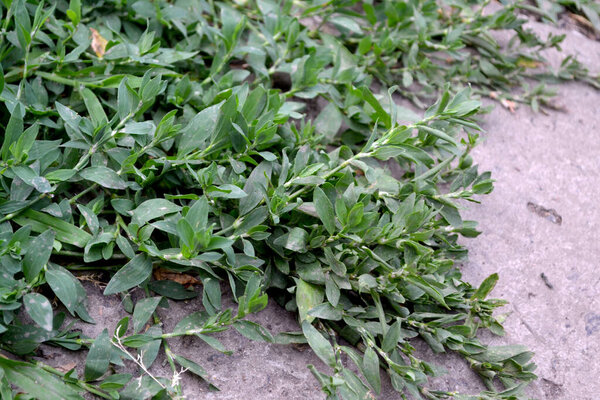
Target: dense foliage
242, 144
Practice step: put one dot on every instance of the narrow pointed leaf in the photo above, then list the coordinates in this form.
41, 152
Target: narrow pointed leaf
132, 274
98, 358
324, 210
39, 309
38, 255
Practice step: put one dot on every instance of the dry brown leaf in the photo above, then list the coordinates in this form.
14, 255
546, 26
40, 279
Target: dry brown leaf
582, 21
94, 278
554, 105
509, 104
529, 63
67, 367
98, 43
162, 274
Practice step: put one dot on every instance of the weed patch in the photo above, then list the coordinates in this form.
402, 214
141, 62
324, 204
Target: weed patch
169, 145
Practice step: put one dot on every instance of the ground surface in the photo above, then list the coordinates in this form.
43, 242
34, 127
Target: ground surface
548, 171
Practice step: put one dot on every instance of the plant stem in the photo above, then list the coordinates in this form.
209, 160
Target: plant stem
84, 385
167, 348
10, 216
82, 193
83, 160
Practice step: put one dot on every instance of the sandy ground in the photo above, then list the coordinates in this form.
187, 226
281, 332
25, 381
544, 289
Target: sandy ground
547, 260
540, 231
548, 270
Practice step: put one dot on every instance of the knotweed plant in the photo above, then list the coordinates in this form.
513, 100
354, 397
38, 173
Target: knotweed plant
246, 145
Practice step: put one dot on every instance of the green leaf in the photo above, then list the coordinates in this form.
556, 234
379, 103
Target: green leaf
496, 354
39, 309
296, 240
407, 79
132, 274
391, 338
307, 297
211, 295
200, 128
122, 206
22, 147
144, 309
149, 351
186, 233
5, 387
411, 153
35, 381
74, 11
98, 358
218, 242
324, 210
38, 255
326, 311
255, 187
253, 331
172, 290
439, 134
319, 344
154, 208
114, 382
290, 337
104, 176
486, 287
370, 369
332, 291
139, 128
338, 267
329, 121
127, 100
214, 343
251, 220
121, 327
427, 288
13, 131
257, 303
64, 231
355, 216
192, 367
197, 215
191, 322
349, 24
69, 291
124, 246
31, 178
139, 340
143, 388
380, 113
94, 107
228, 191
60, 175
70, 117
90, 218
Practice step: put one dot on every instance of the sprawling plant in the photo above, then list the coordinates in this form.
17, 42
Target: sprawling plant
247, 145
